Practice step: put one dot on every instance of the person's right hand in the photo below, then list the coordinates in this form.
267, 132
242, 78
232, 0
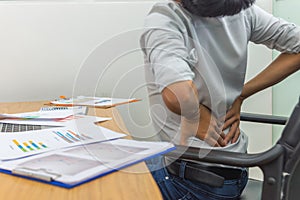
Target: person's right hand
232, 121
206, 127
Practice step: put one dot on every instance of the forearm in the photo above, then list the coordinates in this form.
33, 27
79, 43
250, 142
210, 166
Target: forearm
283, 66
182, 98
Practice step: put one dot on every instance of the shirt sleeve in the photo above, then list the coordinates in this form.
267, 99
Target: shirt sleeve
274, 32
164, 47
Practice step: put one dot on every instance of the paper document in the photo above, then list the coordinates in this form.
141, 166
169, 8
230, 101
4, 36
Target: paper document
104, 102
73, 166
53, 116
22, 144
47, 113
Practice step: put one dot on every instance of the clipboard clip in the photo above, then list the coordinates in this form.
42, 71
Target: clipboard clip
41, 174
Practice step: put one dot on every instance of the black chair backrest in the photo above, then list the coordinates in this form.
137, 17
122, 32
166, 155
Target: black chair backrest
290, 140
292, 184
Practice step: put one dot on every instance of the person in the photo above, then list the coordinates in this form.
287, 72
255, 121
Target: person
195, 54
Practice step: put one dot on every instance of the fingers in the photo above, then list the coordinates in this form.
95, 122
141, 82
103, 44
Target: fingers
229, 114
233, 134
221, 141
223, 136
208, 128
212, 141
215, 132
215, 137
236, 136
230, 119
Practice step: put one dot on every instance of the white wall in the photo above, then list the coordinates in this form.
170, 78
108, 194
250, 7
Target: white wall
44, 44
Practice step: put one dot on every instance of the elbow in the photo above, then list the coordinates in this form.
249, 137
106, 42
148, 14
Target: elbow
180, 100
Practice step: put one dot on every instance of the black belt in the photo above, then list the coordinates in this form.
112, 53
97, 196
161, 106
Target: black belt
210, 175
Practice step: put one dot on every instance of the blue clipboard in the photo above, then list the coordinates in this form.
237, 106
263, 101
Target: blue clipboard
49, 178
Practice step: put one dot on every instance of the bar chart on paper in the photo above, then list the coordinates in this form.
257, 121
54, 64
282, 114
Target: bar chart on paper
28, 146
38, 141
71, 137
23, 144
61, 135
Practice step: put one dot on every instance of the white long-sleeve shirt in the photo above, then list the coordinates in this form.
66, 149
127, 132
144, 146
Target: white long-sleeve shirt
212, 52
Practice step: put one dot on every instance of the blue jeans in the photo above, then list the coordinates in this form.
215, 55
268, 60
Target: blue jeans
173, 187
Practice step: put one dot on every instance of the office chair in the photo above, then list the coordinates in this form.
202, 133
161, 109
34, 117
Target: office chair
280, 164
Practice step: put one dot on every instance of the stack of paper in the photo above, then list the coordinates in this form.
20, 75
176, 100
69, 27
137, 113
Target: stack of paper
52, 116
40, 115
70, 155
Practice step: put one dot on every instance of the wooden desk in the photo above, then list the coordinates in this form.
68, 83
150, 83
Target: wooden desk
133, 182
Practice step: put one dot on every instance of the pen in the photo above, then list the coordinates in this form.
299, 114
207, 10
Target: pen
102, 101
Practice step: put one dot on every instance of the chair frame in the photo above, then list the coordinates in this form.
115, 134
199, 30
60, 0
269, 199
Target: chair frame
277, 164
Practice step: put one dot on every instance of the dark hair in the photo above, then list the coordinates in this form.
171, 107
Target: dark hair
216, 8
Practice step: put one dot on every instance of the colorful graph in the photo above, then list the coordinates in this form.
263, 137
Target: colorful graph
29, 146
70, 136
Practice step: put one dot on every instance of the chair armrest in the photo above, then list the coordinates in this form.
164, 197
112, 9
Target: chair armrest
226, 158
262, 118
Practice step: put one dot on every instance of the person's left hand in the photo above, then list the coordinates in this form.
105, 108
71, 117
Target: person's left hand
232, 120
206, 127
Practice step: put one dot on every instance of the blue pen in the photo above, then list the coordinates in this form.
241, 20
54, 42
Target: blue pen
102, 101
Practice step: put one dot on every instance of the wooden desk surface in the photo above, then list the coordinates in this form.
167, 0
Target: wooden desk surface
133, 182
